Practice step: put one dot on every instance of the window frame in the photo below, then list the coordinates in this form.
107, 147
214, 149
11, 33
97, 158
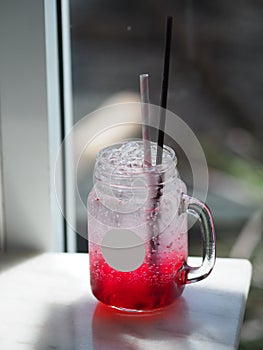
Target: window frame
36, 223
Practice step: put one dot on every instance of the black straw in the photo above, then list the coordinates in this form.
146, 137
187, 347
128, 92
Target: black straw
164, 92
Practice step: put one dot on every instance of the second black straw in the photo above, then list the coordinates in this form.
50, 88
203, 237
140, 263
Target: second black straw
164, 91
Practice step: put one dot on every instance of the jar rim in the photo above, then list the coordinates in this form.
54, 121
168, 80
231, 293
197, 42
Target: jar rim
169, 161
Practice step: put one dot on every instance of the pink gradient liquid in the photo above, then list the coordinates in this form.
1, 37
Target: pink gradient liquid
125, 197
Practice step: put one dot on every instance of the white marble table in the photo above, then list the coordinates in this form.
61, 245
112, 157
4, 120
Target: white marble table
46, 303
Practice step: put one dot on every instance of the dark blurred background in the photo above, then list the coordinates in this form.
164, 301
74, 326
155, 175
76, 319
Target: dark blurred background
216, 87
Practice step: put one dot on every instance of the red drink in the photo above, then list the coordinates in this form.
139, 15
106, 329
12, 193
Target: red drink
137, 228
129, 199
151, 286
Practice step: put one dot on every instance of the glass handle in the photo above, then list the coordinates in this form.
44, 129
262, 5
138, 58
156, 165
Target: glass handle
198, 209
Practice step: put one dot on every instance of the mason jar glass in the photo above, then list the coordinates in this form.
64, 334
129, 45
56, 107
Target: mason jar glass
137, 227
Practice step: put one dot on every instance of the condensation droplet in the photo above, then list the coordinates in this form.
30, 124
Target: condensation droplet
169, 245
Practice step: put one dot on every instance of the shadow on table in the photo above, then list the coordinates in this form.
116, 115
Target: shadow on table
13, 259
118, 330
91, 325
67, 327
